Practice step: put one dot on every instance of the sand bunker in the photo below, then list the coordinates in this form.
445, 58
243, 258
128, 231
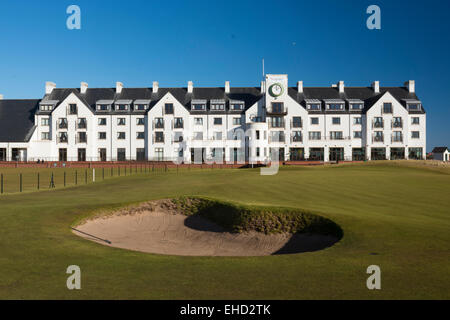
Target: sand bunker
159, 230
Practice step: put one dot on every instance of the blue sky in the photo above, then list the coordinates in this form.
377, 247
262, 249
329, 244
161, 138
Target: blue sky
319, 42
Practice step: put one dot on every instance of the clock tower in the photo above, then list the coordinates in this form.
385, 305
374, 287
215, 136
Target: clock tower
276, 86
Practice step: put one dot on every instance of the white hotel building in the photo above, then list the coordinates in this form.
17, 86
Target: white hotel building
221, 124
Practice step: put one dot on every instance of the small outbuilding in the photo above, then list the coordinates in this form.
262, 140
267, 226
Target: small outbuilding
441, 153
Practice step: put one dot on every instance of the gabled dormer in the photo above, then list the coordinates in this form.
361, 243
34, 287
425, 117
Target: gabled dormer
103, 105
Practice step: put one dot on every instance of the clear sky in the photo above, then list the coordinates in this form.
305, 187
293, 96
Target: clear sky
208, 42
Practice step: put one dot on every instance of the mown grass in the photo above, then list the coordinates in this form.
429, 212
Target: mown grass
396, 217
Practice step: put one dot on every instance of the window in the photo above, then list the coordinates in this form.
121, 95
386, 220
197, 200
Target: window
102, 107
121, 154
336, 135
198, 121
296, 122
198, 106
140, 121
257, 151
314, 120
335, 106
397, 122
218, 121
277, 107
198, 135
178, 124
121, 121
415, 120
397, 136
102, 121
387, 107
237, 106
314, 106
140, 135
45, 135
217, 135
159, 136
296, 136
62, 123
257, 134
62, 137
81, 137
140, 107
315, 135
413, 106
378, 136
82, 123
236, 121
168, 108
122, 107
159, 153
217, 106
45, 122
357, 120
357, 134
356, 106
140, 154
415, 134
178, 137
73, 109
46, 108
378, 122
102, 135
120, 135
336, 120
159, 123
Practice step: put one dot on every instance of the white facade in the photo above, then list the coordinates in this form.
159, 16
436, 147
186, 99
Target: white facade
294, 124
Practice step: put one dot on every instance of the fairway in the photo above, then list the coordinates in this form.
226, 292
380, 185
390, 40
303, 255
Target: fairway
394, 215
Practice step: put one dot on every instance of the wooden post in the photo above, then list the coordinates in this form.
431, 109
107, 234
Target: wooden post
20, 182
64, 178
38, 181
2, 183
76, 177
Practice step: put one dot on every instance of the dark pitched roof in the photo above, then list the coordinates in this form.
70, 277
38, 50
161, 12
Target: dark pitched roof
439, 149
361, 93
17, 120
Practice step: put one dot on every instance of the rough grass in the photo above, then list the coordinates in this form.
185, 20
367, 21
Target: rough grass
393, 216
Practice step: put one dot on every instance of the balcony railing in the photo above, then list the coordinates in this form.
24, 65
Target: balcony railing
178, 125
81, 139
63, 139
158, 140
159, 125
280, 111
279, 138
82, 125
62, 125
296, 139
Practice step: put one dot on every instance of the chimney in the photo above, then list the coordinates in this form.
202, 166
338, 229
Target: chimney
49, 86
83, 87
155, 86
119, 87
190, 87
227, 86
263, 87
341, 86
376, 86
411, 85
300, 87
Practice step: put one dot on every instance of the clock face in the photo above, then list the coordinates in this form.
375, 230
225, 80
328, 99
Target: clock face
276, 90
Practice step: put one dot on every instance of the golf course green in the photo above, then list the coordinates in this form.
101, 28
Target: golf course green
395, 215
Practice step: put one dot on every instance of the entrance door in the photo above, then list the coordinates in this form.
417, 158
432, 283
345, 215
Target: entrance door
197, 155
2, 154
336, 154
121, 154
81, 154
62, 154
102, 154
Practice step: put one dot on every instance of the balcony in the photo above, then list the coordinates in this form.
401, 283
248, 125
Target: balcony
296, 139
277, 138
62, 125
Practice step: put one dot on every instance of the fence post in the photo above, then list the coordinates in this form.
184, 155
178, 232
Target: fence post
2, 183
76, 177
20, 182
64, 178
103, 173
119, 171
38, 181
93, 174
125, 170
112, 171
85, 176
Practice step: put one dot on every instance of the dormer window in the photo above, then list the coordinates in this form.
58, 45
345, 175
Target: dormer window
237, 106
356, 106
102, 107
217, 106
313, 104
140, 107
413, 105
46, 107
73, 108
198, 105
122, 107
141, 104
